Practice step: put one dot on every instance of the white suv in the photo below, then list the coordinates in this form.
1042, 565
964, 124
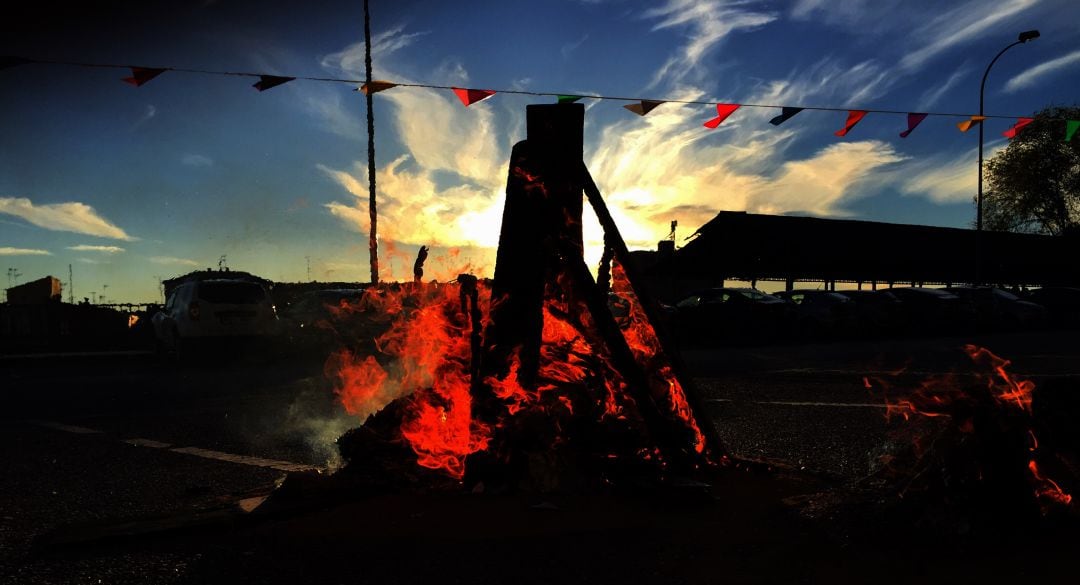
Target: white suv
215, 309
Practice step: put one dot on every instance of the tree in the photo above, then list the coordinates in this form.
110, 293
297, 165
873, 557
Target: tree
1033, 185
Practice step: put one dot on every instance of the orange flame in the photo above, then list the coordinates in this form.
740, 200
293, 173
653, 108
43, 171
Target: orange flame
936, 396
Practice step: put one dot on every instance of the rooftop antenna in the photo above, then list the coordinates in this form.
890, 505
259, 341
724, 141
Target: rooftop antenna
674, 224
308, 260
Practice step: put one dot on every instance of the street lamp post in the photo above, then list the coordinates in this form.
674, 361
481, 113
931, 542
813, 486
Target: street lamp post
1024, 37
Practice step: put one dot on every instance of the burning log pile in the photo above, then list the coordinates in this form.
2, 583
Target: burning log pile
1005, 456
531, 382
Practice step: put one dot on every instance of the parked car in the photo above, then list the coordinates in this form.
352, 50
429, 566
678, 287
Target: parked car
729, 314
316, 315
935, 310
999, 309
821, 313
877, 312
1062, 304
202, 311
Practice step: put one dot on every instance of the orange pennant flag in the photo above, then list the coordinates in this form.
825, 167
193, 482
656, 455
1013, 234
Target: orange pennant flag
722, 111
1020, 123
853, 118
141, 75
967, 124
375, 87
471, 96
643, 107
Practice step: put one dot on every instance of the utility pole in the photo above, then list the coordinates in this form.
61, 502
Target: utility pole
373, 242
308, 260
102, 297
71, 287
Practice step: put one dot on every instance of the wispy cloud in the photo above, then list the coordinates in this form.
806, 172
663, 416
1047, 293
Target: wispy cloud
93, 261
962, 24
9, 251
93, 248
933, 95
148, 113
1029, 77
568, 48
167, 260
73, 216
706, 22
953, 180
197, 160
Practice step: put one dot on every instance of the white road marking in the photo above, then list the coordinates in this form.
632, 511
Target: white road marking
148, 443
243, 459
196, 451
66, 428
798, 403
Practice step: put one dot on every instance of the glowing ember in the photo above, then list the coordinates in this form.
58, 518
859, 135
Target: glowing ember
643, 341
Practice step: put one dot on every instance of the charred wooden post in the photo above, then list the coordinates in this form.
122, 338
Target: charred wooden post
543, 206
614, 242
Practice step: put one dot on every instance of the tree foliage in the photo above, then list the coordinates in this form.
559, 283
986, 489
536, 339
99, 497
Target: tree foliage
1033, 185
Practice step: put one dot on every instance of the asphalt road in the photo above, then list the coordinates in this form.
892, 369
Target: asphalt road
107, 437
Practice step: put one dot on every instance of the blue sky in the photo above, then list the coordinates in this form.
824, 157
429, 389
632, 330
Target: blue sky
130, 184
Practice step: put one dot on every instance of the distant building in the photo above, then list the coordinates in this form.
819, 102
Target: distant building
754, 247
37, 292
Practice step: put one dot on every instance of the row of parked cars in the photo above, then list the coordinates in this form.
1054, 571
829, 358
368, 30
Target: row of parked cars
747, 314
199, 313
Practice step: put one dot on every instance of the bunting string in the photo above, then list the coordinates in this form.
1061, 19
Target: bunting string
141, 75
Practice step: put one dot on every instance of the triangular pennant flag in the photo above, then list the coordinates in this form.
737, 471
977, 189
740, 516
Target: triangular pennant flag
568, 99
7, 61
374, 86
643, 107
967, 124
913, 120
140, 75
722, 112
853, 117
1070, 129
471, 96
1020, 123
265, 82
785, 114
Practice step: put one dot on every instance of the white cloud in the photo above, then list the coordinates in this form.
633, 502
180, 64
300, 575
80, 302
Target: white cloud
92, 261
9, 251
172, 260
1029, 77
708, 22
962, 24
73, 216
945, 182
197, 160
568, 48
93, 248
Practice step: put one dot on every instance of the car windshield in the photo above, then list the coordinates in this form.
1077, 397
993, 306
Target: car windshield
235, 293
1004, 294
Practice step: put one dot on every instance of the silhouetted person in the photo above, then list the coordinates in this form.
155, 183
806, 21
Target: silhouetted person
418, 266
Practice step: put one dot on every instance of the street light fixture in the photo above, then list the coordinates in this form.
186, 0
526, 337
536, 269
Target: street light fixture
1024, 37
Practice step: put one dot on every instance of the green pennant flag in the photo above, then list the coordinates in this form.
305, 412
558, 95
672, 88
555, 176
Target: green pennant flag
568, 99
1070, 129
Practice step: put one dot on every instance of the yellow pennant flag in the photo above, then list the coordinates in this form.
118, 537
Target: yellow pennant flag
968, 124
375, 87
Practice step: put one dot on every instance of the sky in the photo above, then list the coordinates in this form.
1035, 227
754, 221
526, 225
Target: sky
129, 185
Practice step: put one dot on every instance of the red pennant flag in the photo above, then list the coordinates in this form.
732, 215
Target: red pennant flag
265, 82
643, 107
471, 96
1020, 123
853, 118
970, 122
722, 111
141, 75
375, 87
913, 120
